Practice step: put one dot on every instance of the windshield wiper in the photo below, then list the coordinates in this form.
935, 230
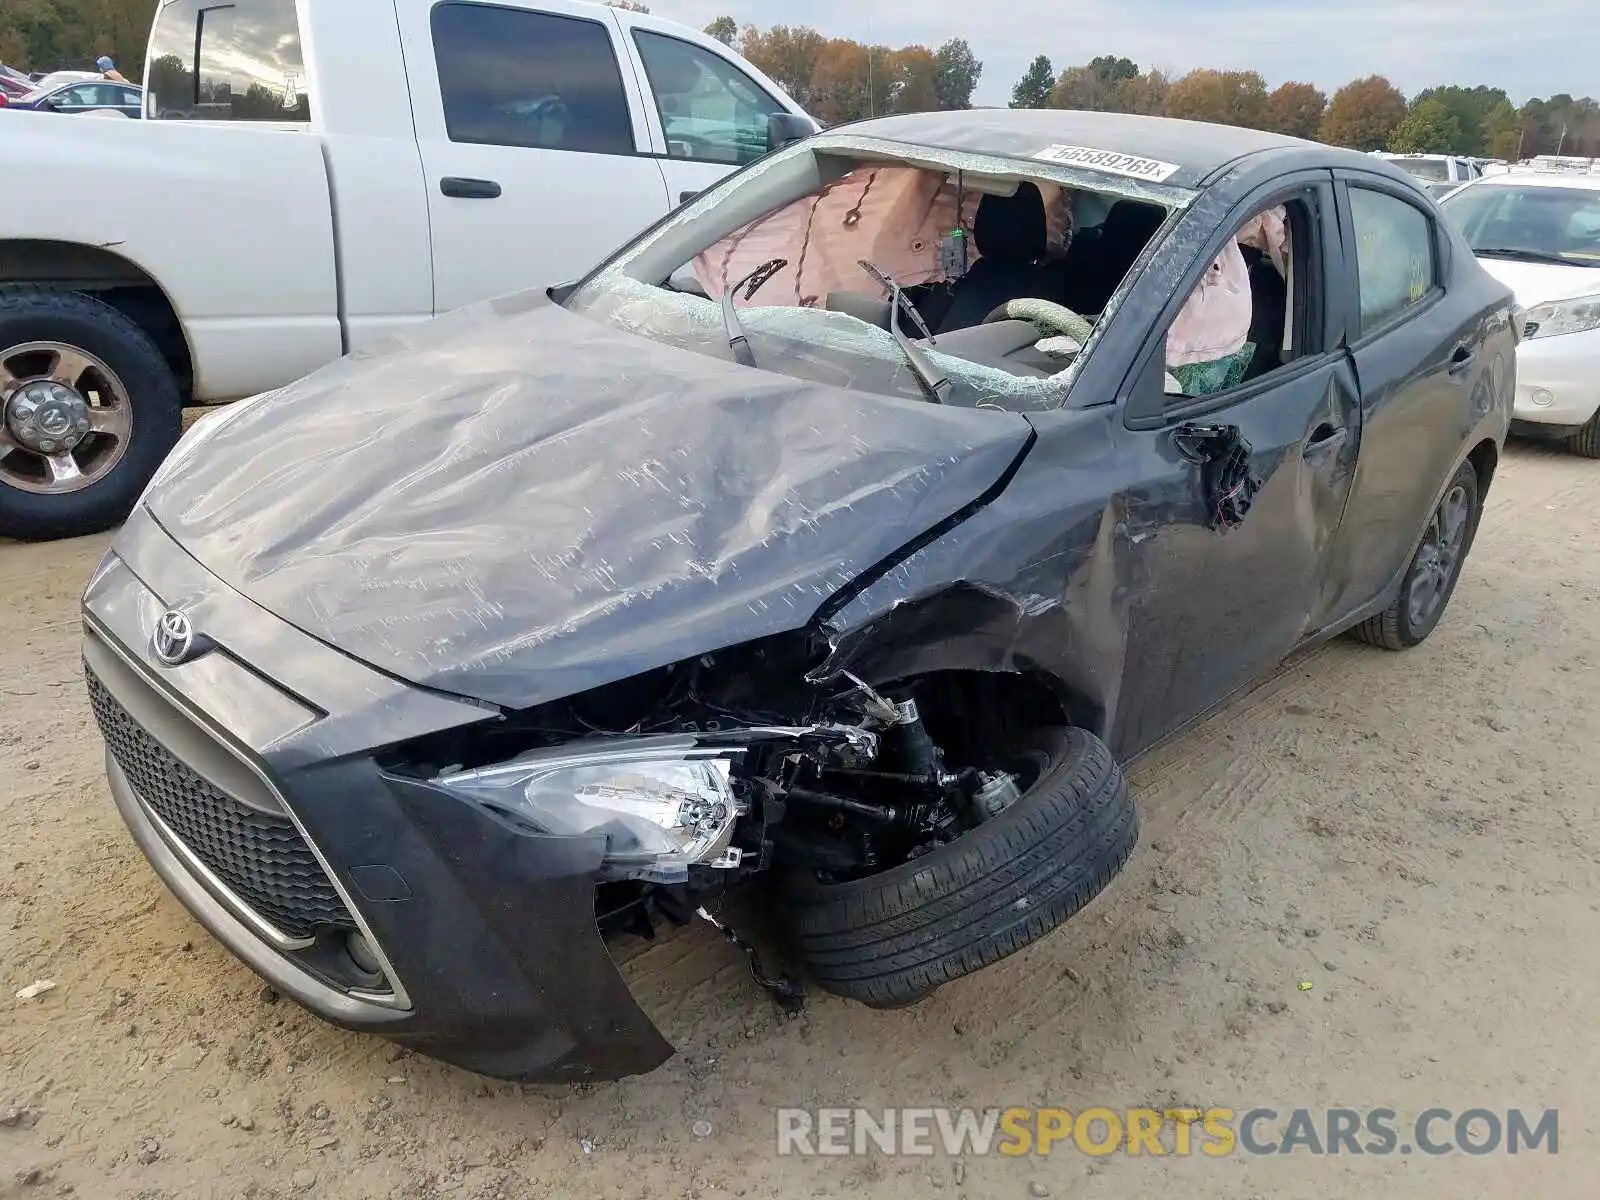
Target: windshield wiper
751, 283
1521, 255
934, 384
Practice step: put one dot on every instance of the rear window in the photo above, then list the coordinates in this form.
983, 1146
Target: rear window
226, 62
508, 77
1436, 170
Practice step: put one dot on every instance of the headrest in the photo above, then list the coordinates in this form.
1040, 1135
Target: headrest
1012, 228
1131, 220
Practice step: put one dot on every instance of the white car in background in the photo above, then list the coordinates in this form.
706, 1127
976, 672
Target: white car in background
1539, 232
1438, 173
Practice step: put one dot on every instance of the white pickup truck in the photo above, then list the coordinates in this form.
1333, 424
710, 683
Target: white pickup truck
312, 175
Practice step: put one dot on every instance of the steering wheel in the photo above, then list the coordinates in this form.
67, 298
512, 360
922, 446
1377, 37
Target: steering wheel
1051, 317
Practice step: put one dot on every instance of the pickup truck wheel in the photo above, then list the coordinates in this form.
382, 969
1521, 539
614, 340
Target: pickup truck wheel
1434, 569
890, 939
88, 409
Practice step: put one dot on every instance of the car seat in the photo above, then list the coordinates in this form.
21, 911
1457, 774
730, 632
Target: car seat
1011, 236
1095, 266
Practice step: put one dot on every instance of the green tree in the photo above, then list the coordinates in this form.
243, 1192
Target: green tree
1363, 114
725, 30
1296, 109
1470, 107
1429, 128
1224, 97
1094, 87
1033, 89
1112, 69
959, 72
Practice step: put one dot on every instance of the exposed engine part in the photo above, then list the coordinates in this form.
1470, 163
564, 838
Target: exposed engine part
879, 708
908, 744
789, 995
998, 792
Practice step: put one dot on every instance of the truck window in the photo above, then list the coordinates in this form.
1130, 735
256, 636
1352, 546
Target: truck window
710, 110
509, 77
238, 61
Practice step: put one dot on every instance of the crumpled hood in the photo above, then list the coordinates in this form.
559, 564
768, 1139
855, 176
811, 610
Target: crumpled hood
519, 504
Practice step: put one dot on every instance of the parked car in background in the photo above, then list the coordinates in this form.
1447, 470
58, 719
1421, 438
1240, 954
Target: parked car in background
316, 197
1439, 173
84, 97
833, 551
52, 79
13, 84
1539, 233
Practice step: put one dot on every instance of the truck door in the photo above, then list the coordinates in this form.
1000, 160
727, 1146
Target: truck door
706, 109
534, 146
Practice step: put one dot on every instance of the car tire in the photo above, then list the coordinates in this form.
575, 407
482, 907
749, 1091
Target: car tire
154, 417
1587, 440
1413, 616
890, 939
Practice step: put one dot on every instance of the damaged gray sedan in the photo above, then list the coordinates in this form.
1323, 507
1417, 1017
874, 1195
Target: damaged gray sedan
846, 529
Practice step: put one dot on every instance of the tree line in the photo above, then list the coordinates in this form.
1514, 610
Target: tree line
839, 79
1365, 114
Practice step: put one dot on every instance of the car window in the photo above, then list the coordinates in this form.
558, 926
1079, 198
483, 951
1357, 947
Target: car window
1395, 261
77, 97
1435, 169
1239, 321
709, 108
514, 78
1531, 221
239, 61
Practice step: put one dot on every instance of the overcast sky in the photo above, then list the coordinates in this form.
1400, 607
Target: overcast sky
1530, 47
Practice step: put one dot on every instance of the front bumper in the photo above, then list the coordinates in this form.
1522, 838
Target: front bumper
258, 805
1558, 379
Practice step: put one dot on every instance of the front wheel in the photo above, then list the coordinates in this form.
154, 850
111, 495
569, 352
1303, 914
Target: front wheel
88, 409
1434, 569
1587, 440
891, 938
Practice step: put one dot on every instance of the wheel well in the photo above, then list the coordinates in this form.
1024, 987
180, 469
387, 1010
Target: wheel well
972, 712
1484, 458
111, 279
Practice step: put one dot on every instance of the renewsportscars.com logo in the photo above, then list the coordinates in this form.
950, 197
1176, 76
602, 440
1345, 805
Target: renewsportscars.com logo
1211, 1132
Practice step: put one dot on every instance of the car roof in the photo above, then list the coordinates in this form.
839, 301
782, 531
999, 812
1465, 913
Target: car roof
1196, 148
1523, 177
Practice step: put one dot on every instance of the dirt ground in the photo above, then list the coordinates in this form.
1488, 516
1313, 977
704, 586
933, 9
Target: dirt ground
1415, 836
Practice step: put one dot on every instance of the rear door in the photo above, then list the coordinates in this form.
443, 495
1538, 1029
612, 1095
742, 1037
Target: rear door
534, 147
1210, 608
707, 110
1417, 349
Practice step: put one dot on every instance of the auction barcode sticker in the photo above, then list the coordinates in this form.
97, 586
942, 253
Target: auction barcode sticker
1152, 169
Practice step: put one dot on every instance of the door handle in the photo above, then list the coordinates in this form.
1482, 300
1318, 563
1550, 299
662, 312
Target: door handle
469, 189
685, 197
1324, 439
1462, 359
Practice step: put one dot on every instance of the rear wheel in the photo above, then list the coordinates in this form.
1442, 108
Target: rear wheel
890, 939
88, 409
1435, 567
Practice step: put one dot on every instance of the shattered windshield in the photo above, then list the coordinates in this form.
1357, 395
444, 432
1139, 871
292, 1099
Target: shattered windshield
956, 278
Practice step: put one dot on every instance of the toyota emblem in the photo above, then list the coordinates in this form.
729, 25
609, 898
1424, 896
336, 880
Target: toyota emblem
174, 637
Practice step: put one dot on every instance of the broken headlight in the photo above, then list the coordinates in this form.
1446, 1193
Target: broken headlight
662, 803
1579, 314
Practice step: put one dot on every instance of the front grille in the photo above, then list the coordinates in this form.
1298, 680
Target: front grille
260, 856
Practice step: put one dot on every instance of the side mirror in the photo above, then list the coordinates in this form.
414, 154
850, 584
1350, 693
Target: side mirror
785, 129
